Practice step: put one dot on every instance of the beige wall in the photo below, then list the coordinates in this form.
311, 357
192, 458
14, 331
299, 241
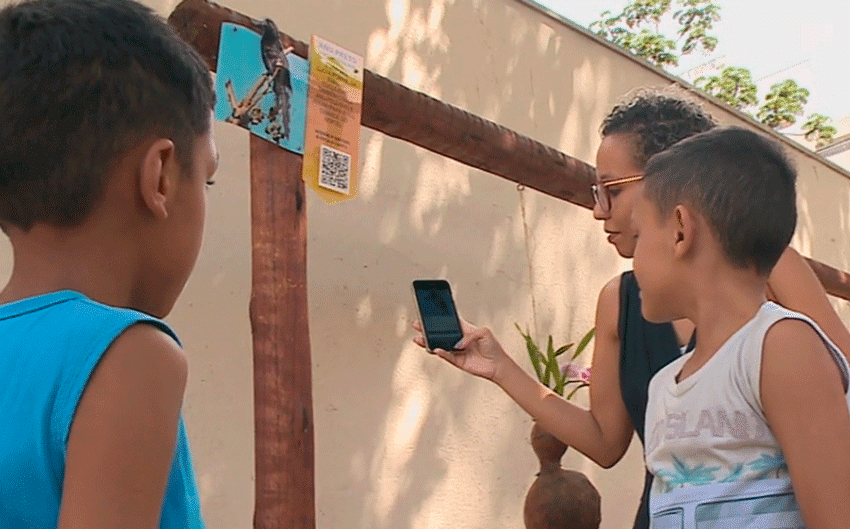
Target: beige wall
402, 439
841, 158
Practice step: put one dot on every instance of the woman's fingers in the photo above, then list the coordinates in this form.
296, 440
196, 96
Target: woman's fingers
472, 336
452, 358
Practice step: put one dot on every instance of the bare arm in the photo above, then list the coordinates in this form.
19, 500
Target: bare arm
804, 402
603, 432
795, 286
121, 443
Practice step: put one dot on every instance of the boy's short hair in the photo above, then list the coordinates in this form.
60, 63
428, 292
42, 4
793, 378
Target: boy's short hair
741, 182
658, 118
81, 83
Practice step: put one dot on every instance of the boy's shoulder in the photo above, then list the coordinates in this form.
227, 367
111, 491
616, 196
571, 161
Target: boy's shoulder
795, 341
781, 328
70, 317
780, 346
100, 310
53, 344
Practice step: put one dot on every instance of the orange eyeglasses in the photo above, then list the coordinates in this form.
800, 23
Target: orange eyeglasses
602, 196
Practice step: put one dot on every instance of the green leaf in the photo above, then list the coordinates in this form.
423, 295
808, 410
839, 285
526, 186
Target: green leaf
563, 349
536, 358
560, 383
551, 363
546, 366
584, 341
533, 352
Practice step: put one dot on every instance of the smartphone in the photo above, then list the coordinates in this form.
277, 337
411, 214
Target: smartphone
437, 313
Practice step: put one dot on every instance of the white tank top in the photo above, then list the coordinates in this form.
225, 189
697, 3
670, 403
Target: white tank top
714, 458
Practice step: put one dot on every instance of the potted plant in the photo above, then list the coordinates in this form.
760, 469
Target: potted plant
559, 498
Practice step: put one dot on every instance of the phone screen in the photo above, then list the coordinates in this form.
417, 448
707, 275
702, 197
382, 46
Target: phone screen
438, 314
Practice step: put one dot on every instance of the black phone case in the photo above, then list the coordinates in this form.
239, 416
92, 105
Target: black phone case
437, 313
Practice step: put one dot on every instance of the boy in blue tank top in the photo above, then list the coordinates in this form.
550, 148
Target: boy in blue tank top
106, 149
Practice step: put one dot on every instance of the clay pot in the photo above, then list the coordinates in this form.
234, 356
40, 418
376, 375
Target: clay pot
558, 498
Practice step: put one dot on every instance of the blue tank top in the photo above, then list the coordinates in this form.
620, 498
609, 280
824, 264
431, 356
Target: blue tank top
49, 346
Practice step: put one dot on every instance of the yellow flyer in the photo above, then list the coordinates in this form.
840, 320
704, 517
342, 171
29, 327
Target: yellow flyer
332, 136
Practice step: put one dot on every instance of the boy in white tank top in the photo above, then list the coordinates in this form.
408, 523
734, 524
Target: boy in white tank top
752, 428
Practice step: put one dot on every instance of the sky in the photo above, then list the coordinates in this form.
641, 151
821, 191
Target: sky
808, 41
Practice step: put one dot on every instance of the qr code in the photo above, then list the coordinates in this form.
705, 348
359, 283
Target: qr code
334, 169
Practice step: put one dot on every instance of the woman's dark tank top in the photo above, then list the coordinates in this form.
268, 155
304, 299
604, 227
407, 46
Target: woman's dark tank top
644, 349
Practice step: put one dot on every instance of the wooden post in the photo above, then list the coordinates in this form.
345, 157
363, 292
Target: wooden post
283, 405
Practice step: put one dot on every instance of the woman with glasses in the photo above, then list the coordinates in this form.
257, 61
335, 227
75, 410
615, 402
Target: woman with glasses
628, 350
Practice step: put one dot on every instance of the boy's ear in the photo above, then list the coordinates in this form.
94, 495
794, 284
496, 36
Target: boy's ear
157, 174
684, 229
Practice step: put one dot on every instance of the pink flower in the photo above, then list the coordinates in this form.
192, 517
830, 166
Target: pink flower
576, 371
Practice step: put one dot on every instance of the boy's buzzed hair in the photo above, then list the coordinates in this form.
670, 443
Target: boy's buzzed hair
741, 182
658, 119
81, 83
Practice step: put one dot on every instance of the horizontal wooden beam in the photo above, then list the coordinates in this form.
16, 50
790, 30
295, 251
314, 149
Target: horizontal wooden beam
412, 116
417, 118
834, 281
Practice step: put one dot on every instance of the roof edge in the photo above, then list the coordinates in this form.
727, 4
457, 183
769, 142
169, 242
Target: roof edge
837, 146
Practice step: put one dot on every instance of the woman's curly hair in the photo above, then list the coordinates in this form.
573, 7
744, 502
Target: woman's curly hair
658, 118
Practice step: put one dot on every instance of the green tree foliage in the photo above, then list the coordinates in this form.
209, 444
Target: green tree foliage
653, 47
733, 85
637, 29
818, 128
696, 18
783, 104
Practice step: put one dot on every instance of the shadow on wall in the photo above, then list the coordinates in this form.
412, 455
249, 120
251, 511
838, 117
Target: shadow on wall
817, 185
422, 444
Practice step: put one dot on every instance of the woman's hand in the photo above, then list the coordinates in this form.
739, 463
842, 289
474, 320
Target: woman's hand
478, 351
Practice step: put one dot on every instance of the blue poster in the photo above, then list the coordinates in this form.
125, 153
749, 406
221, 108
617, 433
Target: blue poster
262, 87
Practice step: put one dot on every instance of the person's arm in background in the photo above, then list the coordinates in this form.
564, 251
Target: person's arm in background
794, 285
